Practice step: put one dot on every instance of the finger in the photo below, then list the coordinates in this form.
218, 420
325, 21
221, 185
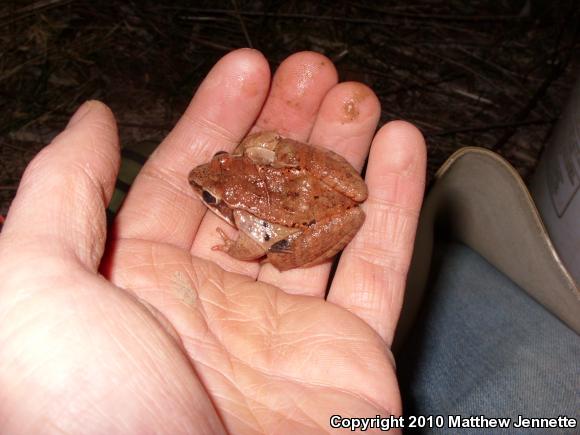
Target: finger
345, 124
59, 209
161, 205
371, 275
298, 88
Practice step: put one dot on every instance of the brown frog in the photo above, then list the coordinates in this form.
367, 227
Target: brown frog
295, 203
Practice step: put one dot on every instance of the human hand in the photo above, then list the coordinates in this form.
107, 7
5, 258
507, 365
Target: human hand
167, 338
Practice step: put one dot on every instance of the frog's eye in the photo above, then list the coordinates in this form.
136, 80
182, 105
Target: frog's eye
208, 198
219, 153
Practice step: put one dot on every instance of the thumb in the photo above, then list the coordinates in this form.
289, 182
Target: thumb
59, 208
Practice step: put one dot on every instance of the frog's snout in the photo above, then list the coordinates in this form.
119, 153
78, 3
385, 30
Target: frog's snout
196, 177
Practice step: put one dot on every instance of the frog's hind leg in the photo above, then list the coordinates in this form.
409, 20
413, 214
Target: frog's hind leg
318, 242
243, 248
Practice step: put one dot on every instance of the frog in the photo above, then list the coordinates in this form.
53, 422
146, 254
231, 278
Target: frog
294, 204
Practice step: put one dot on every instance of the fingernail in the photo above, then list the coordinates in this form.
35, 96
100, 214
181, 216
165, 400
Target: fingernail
80, 113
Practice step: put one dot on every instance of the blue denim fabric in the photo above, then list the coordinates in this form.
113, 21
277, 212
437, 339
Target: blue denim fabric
484, 347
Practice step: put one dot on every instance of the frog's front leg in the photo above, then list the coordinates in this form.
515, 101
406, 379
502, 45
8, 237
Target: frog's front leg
243, 248
318, 242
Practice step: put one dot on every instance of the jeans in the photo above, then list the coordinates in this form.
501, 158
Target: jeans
482, 346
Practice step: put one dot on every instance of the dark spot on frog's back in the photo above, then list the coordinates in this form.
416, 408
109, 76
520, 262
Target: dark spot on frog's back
266, 224
281, 247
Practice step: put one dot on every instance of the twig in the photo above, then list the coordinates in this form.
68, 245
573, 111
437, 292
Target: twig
522, 114
287, 16
242, 24
474, 129
24, 12
439, 17
408, 17
212, 44
558, 68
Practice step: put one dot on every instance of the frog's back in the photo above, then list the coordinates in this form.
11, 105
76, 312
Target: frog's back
287, 196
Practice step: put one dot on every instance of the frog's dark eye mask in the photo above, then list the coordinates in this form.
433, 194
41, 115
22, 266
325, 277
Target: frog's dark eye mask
216, 205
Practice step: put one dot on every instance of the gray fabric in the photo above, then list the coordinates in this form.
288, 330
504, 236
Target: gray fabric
483, 346
479, 199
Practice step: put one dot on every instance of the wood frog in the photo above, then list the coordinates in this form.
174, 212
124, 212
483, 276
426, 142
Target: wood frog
295, 203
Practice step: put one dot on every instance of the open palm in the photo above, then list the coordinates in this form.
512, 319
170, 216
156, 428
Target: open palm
172, 337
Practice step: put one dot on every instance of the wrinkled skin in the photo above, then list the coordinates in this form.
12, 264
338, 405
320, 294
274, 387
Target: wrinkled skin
135, 329
295, 203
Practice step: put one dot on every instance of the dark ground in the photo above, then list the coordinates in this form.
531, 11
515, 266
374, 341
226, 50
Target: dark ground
487, 73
